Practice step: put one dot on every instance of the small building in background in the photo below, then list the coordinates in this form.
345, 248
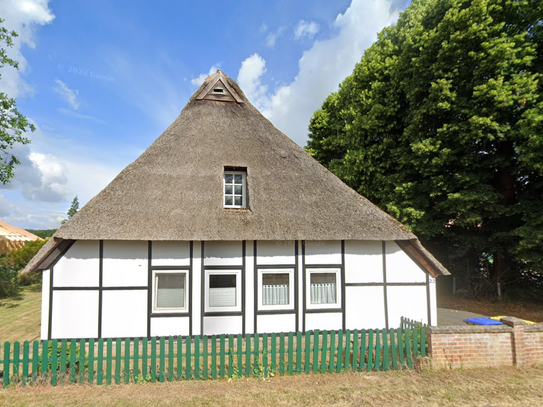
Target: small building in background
12, 237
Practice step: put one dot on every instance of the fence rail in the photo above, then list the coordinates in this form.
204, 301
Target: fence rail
108, 361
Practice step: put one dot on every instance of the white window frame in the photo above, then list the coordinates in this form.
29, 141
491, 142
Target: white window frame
237, 307
337, 272
157, 309
243, 193
290, 305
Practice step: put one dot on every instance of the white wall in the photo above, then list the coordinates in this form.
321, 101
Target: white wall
223, 253
433, 301
197, 288
400, 267
170, 254
365, 307
250, 295
322, 252
223, 325
125, 264
170, 326
75, 314
407, 301
363, 262
276, 323
45, 286
276, 252
124, 313
79, 267
322, 321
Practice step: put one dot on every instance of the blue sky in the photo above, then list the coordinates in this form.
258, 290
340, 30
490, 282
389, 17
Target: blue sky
101, 80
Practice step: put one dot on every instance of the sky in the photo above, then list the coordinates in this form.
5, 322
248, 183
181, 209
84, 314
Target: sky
101, 79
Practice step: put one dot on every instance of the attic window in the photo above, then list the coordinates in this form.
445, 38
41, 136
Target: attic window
218, 90
235, 188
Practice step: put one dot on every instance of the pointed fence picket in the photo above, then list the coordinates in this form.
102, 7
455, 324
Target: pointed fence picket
115, 361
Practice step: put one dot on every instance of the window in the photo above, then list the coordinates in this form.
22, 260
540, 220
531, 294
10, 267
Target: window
169, 291
323, 288
223, 290
275, 289
235, 189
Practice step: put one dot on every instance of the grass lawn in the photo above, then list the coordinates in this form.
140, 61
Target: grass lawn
477, 387
20, 317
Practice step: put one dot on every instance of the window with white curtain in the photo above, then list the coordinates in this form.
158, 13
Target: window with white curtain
276, 290
170, 290
323, 288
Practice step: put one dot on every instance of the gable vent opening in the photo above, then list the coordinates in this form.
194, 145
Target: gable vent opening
218, 90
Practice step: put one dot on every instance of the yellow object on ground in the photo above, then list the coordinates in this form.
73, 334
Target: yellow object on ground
497, 318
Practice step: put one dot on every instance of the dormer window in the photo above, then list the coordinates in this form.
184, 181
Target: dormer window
235, 188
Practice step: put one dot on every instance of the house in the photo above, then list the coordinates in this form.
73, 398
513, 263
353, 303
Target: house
225, 225
12, 237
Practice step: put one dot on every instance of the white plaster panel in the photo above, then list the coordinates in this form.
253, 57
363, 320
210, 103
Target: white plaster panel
75, 314
170, 254
276, 323
124, 313
301, 287
196, 288
276, 252
365, 307
46, 275
400, 268
170, 326
322, 252
79, 267
323, 321
125, 264
222, 325
225, 253
406, 301
433, 302
363, 262
250, 295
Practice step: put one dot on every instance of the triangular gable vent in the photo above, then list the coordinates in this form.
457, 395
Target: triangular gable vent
218, 89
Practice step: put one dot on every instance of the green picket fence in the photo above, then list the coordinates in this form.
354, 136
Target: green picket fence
410, 323
108, 361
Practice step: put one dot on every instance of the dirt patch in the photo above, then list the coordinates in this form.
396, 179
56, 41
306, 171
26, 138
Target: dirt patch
524, 310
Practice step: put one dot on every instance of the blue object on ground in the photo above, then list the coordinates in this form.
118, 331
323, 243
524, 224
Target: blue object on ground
482, 321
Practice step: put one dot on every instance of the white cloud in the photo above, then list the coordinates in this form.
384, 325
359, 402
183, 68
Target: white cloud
272, 38
77, 115
320, 69
306, 29
249, 76
22, 16
69, 95
39, 177
202, 77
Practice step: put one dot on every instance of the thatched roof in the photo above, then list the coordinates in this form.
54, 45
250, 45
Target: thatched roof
174, 190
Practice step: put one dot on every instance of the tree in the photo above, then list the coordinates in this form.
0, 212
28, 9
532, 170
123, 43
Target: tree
12, 123
441, 125
74, 207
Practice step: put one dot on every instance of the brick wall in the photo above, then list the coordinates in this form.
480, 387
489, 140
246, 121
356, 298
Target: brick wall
511, 344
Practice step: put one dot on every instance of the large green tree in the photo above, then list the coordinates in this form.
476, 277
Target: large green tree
441, 125
13, 124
